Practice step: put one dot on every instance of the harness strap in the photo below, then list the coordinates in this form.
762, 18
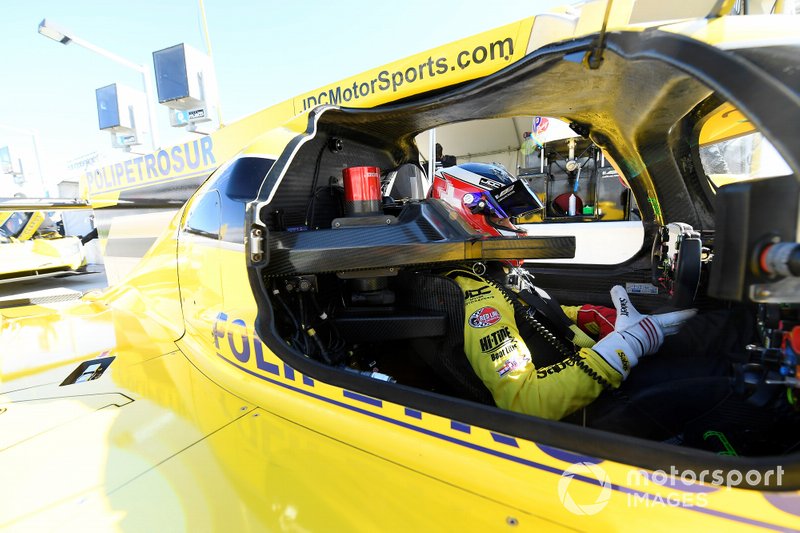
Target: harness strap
550, 309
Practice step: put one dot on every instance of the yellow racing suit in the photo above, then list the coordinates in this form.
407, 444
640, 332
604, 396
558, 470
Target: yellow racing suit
501, 359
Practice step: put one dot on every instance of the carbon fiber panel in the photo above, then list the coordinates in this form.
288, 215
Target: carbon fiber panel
294, 195
369, 326
424, 234
445, 355
572, 287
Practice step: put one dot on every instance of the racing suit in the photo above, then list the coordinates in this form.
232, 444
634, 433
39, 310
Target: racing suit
501, 358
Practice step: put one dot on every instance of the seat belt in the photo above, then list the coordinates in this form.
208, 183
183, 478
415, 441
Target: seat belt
550, 309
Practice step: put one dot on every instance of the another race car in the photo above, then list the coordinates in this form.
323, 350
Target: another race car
33, 245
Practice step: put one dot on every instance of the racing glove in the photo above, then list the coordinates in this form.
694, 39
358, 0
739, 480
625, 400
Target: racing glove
636, 335
596, 320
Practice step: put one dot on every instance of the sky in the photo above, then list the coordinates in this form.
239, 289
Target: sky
264, 52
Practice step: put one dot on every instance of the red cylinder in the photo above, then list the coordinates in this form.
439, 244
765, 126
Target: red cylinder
362, 190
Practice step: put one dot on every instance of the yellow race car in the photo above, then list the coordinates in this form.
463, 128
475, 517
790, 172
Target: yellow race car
31, 244
289, 353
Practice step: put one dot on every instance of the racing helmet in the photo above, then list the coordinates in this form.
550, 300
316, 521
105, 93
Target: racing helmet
486, 195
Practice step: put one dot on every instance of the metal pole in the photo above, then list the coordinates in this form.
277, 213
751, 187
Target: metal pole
431, 154
105, 53
33, 134
38, 162
148, 88
151, 110
213, 66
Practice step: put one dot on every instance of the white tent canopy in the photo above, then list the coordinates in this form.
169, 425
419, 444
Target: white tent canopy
496, 140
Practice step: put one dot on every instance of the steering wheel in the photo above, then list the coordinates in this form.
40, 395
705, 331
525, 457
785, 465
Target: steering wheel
676, 262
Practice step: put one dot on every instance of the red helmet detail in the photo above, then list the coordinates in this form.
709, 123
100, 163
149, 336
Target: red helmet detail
486, 195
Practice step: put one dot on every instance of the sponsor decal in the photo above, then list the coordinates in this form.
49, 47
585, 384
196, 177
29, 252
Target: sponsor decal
556, 368
623, 306
641, 288
418, 75
180, 160
235, 340
495, 339
508, 348
475, 293
503, 194
484, 317
498, 344
511, 364
489, 184
609, 172
540, 125
626, 364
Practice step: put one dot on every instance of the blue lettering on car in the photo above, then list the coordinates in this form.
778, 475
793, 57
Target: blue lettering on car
177, 162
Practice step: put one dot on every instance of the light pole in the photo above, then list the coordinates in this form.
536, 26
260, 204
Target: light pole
213, 66
34, 134
49, 30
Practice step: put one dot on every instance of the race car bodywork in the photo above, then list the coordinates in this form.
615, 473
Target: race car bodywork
27, 248
272, 361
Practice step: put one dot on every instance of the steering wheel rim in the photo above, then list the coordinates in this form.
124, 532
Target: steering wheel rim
676, 263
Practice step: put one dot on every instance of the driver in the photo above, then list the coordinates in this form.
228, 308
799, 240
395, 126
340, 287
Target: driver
535, 356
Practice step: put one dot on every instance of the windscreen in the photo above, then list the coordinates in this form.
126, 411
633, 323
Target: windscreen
15, 224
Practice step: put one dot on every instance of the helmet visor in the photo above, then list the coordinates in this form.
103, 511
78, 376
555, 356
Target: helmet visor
516, 199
